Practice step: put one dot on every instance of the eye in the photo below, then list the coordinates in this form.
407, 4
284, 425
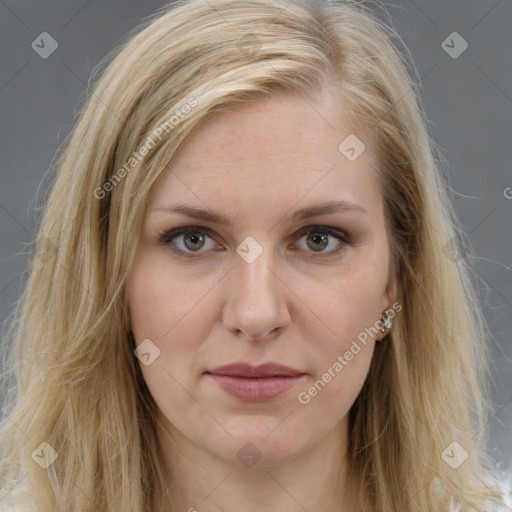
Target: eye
317, 238
192, 236
194, 239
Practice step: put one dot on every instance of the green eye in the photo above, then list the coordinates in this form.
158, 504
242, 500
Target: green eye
318, 238
194, 238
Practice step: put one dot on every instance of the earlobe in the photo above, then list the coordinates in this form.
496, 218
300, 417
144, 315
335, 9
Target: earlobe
385, 321
387, 315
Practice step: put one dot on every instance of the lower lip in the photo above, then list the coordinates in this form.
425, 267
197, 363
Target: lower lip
255, 389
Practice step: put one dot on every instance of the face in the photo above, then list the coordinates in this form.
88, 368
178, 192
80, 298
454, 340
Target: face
271, 286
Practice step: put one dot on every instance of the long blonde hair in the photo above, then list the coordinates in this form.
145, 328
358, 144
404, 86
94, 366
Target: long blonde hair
73, 380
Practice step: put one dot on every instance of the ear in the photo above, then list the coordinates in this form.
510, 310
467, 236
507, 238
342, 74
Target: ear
391, 293
389, 298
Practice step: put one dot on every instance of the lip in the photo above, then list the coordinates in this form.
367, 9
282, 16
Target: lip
243, 369
255, 383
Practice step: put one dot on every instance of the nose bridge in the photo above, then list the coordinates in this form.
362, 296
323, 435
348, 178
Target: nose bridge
254, 269
256, 304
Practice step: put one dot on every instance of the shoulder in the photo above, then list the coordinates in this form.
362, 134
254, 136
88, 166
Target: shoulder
502, 483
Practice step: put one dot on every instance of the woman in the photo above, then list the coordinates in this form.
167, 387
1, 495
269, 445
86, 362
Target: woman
241, 296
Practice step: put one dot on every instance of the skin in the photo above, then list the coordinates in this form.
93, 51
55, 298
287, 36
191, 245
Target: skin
294, 304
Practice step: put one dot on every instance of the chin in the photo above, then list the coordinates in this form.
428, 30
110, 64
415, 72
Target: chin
261, 451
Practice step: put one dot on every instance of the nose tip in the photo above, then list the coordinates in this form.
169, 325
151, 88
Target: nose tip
263, 337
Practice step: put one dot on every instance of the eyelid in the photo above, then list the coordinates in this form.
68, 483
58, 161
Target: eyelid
167, 236
329, 230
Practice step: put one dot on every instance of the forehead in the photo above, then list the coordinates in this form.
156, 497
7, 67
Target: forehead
272, 153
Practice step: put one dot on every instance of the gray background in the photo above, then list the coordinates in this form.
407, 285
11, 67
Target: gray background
468, 100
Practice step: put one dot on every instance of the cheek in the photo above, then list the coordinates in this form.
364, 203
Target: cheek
342, 307
339, 350
158, 298
170, 310
339, 325
148, 297
162, 311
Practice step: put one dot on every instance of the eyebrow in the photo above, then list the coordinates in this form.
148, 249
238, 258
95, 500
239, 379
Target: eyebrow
208, 215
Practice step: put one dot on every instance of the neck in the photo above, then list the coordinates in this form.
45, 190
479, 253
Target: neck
198, 480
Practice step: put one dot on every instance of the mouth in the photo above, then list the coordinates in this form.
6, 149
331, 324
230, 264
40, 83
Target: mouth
256, 384
255, 389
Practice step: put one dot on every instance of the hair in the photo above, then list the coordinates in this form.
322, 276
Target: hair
72, 378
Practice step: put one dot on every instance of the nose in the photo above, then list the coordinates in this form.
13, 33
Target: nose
256, 305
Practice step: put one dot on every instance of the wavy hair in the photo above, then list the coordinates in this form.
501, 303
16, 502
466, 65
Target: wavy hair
72, 376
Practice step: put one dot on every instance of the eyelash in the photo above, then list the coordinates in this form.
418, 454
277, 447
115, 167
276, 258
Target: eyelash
168, 236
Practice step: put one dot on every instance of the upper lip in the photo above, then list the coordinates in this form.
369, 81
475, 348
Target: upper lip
242, 369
